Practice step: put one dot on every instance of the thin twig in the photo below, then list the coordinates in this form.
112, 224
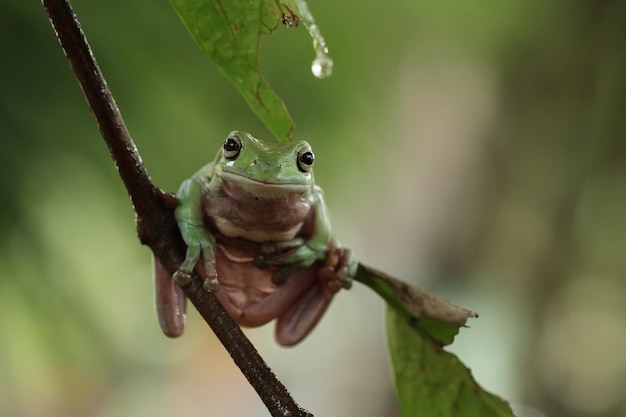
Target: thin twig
156, 226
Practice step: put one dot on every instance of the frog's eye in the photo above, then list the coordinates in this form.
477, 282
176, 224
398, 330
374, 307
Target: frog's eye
305, 159
231, 147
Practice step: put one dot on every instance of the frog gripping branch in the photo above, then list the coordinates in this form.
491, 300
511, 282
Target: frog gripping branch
257, 232
259, 225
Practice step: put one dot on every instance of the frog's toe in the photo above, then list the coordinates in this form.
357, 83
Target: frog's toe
343, 280
335, 279
339, 268
211, 284
182, 277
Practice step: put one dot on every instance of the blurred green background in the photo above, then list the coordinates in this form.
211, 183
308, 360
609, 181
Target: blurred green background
475, 148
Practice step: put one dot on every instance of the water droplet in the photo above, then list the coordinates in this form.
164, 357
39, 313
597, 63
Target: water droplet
322, 66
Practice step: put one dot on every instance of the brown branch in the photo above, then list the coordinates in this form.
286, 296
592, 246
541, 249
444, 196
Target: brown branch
156, 226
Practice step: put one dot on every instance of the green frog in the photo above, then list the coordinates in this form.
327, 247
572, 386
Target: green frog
258, 231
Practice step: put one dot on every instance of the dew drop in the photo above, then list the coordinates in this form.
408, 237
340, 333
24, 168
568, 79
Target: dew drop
322, 66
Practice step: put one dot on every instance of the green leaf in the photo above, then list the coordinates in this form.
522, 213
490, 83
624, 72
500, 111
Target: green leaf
228, 31
431, 382
425, 313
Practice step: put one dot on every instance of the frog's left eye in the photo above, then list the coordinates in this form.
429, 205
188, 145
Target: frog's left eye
305, 159
231, 147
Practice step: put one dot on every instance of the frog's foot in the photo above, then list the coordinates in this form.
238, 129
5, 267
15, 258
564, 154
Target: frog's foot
211, 284
286, 253
339, 268
182, 277
207, 269
274, 248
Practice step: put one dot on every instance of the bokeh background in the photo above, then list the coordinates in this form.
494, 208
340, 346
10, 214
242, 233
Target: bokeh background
475, 148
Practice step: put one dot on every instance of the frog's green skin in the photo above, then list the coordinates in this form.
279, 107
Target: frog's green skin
257, 223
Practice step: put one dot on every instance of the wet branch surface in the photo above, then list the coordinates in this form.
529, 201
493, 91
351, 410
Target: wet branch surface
156, 226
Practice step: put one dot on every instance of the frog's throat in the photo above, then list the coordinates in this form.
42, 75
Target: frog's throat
263, 187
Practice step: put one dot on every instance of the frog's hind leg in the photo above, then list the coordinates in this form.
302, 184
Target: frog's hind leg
335, 273
171, 303
301, 317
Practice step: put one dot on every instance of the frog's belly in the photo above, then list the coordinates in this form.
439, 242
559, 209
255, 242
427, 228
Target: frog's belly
256, 234
248, 293
244, 282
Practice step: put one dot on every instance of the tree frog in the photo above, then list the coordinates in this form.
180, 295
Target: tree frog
257, 230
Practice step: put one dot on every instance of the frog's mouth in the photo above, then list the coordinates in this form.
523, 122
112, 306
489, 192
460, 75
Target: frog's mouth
231, 181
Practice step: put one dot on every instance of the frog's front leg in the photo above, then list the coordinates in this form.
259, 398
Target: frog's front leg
200, 243
339, 263
288, 255
301, 251
294, 252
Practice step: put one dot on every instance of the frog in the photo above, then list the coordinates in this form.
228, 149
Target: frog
257, 231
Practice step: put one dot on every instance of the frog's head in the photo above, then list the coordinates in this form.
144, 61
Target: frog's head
265, 167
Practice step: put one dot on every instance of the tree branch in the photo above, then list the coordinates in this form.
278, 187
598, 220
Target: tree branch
156, 226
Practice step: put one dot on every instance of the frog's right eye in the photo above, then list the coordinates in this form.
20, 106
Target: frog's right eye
232, 147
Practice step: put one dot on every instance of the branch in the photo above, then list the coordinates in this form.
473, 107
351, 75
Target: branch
156, 226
